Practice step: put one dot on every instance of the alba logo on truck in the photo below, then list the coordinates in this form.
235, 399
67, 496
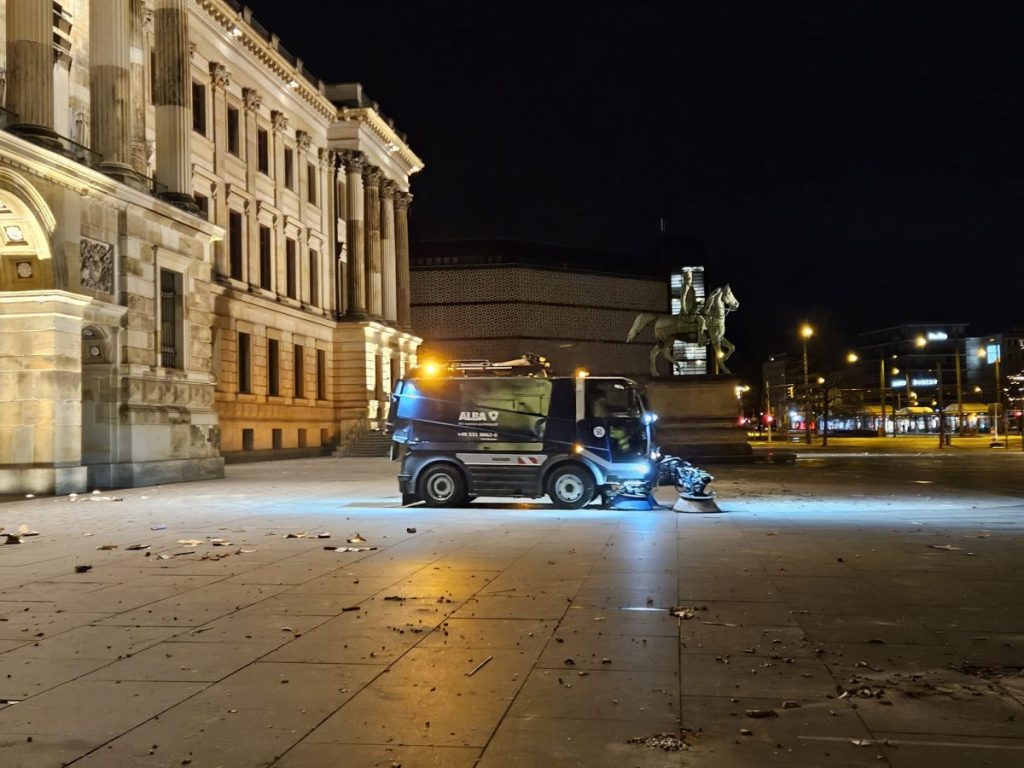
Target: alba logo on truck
476, 417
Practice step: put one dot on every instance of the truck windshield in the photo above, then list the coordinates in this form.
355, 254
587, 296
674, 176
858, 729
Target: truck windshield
611, 399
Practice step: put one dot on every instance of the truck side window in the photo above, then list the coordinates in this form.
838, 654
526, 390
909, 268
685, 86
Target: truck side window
610, 399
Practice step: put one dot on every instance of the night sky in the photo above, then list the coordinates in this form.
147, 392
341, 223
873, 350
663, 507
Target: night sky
858, 164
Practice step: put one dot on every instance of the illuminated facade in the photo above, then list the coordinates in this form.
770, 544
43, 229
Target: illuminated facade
210, 259
690, 359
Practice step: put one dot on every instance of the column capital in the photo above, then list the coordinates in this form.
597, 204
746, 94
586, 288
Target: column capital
252, 99
387, 189
403, 200
354, 161
279, 121
327, 157
219, 75
372, 175
303, 140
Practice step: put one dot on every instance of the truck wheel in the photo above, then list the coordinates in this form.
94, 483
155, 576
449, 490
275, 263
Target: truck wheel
443, 486
571, 487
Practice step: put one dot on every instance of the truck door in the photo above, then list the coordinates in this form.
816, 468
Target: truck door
612, 426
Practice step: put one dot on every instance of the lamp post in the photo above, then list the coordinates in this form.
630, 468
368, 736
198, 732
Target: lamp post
983, 353
806, 331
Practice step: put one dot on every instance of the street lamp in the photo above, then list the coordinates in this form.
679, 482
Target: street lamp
983, 353
806, 331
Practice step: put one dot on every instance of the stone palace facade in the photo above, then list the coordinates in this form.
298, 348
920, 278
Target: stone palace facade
204, 249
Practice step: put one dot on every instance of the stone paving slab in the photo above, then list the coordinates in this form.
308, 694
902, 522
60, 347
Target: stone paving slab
813, 586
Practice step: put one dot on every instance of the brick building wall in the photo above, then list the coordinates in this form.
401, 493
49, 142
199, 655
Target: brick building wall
577, 319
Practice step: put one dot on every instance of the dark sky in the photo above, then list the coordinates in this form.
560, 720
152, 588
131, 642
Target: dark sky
859, 164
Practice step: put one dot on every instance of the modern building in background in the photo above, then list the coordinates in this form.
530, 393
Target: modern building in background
213, 262
918, 374
498, 299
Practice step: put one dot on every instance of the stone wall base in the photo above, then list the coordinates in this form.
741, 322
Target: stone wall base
49, 481
131, 474
697, 417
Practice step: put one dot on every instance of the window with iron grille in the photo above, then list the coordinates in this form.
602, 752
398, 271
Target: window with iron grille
171, 319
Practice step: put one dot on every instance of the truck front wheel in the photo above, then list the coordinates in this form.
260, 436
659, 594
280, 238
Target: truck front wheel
571, 487
442, 485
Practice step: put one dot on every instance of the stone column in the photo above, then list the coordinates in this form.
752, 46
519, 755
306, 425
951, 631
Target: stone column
30, 65
387, 240
355, 162
141, 19
402, 201
110, 83
374, 296
172, 97
62, 93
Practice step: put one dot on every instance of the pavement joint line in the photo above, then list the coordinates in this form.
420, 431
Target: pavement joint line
914, 742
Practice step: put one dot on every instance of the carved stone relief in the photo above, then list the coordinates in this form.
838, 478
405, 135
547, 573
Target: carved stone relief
97, 266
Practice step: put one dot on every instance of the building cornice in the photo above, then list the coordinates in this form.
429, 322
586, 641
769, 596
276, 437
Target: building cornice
238, 29
392, 141
70, 174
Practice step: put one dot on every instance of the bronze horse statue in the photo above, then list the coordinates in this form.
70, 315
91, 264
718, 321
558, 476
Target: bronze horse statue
703, 326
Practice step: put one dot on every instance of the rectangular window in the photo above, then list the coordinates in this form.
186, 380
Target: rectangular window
290, 267
203, 204
321, 375
244, 363
247, 440
235, 243
273, 368
289, 168
325, 437
314, 278
277, 438
298, 371
302, 438
263, 150
234, 143
311, 183
266, 263
199, 108
171, 319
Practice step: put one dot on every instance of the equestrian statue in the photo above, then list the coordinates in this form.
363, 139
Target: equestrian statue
701, 325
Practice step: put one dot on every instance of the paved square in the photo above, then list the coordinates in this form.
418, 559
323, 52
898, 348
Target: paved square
849, 610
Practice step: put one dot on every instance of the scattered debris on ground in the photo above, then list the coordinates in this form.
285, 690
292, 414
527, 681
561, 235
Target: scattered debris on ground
479, 666
410, 530
686, 611
356, 539
83, 568
759, 714
350, 549
666, 741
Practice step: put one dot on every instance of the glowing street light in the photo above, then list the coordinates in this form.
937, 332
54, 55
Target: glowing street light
851, 357
806, 331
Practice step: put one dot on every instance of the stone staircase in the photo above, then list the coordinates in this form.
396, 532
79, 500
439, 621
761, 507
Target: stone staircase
368, 443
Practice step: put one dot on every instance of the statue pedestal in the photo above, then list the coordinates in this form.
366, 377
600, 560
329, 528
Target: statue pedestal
697, 418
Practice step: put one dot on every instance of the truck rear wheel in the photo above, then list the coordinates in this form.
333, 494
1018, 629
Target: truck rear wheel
442, 485
571, 487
